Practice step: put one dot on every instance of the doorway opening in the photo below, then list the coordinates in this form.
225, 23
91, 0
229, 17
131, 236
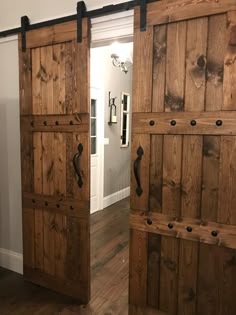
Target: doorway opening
111, 99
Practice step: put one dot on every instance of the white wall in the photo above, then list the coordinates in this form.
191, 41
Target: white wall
110, 78
10, 185
41, 10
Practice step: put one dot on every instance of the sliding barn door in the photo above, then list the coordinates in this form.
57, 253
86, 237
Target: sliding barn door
183, 198
55, 158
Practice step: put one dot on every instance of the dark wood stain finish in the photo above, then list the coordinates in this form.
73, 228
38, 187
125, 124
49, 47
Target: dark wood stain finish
186, 214
109, 274
54, 120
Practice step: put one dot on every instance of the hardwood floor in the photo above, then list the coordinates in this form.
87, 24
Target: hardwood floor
109, 272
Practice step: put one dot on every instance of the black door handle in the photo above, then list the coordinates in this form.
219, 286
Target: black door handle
76, 165
140, 153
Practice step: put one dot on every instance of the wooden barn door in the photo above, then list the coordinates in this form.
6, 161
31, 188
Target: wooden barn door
54, 97
183, 196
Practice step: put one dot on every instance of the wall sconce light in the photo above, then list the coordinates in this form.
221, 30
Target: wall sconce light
120, 64
112, 105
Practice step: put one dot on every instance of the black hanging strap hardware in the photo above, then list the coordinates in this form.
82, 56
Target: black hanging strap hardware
24, 27
81, 10
143, 15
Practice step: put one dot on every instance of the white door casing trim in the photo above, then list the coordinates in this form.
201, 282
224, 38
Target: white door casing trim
104, 28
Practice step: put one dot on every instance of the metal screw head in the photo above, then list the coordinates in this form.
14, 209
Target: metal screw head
71, 122
193, 122
214, 233
219, 123
33, 200
152, 123
189, 229
46, 203
32, 124
173, 122
45, 123
58, 206
71, 208
57, 123
170, 226
149, 221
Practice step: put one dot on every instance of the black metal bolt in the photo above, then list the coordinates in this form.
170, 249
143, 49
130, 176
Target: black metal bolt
214, 233
170, 226
57, 123
189, 229
45, 123
173, 122
58, 206
219, 123
71, 208
71, 122
46, 203
33, 200
149, 221
193, 122
152, 123
32, 124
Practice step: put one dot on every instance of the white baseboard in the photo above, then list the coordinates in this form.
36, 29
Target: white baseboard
117, 196
11, 260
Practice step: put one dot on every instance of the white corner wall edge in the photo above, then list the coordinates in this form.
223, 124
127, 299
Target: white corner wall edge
11, 260
117, 196
119, 25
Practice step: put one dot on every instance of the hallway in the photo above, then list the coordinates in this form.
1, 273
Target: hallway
109, 274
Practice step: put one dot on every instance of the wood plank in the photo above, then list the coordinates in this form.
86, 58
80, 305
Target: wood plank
196, 49
138, 268
205, 123
46, 76
140, 202
172, 159
142, 70
178, 10
200, 231
58, 33
28, 238
230, 64
217, 293
80, 56
159, 68
69, 68
227, 181
55, 123
153, 276
59, 72
48, 162
175, 67
36, 82
215, 62
156, 162
138, 310
60, 237
38, 188
27, 162
25, 80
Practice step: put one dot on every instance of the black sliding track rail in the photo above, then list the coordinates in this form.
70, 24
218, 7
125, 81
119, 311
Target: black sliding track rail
109, 9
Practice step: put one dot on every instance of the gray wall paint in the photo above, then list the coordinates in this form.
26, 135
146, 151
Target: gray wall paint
10, 184
116, 159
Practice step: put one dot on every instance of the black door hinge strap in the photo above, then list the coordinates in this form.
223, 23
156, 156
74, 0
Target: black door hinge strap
81, 10
24, 27
143, 15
